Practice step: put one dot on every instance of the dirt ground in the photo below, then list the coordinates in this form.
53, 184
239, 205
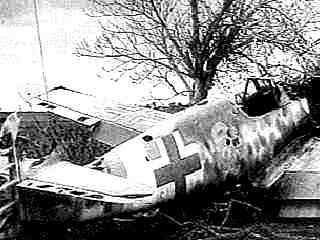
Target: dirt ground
241, 222
160, 229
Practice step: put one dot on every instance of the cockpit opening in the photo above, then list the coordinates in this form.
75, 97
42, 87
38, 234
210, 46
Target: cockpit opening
265, 98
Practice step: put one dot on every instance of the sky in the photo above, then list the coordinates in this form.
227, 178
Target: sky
63, 24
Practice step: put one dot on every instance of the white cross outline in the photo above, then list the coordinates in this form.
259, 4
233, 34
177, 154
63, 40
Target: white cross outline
195, 178
163, 160
185, 150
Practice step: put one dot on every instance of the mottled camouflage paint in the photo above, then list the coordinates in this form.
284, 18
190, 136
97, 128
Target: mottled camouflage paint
234, 144
229, 144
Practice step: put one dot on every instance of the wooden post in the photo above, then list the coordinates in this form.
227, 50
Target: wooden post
11, 213
17, 171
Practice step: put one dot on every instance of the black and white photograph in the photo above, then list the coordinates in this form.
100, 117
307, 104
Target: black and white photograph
160, 119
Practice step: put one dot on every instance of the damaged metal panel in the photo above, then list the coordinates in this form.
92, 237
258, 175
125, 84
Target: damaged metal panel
113, 122
299, 188
64, 101
301, 179
300, 209
300, 185
85, 183
63, 111
112, 134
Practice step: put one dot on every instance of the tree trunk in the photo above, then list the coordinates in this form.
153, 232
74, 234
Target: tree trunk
200, 90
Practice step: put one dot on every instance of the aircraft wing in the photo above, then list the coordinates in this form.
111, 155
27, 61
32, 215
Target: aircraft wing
114, 122
296, 155
65, 178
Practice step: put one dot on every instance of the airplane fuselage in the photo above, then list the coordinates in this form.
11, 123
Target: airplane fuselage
204, 145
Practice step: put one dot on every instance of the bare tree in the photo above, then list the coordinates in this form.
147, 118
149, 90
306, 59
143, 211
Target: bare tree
191, 45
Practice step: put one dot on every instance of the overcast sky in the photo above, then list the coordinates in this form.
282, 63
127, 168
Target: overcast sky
63, 24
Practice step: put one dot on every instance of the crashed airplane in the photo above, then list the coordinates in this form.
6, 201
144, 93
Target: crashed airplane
155, 156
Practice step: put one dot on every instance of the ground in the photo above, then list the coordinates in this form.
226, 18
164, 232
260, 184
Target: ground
160, 228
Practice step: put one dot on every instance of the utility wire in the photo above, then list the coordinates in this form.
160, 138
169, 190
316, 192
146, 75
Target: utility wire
36, 13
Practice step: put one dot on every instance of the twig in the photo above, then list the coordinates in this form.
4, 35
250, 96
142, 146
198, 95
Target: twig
208, 229
173, 219
247, 204
219, 228
225, 219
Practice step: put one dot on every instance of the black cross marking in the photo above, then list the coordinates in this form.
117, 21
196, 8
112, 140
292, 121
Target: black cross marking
178, 168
